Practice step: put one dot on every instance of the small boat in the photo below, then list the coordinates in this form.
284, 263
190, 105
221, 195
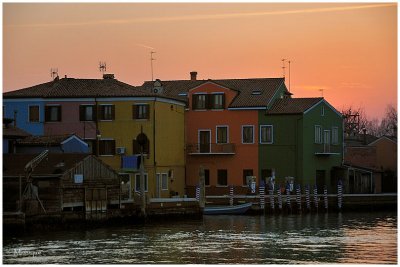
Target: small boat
219, 210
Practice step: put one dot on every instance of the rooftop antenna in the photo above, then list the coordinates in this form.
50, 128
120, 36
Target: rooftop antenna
322, 91
283, 67
289, 75
53, 72
151, 63
102, 66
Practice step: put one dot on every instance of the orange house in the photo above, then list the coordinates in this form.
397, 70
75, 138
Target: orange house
223, 141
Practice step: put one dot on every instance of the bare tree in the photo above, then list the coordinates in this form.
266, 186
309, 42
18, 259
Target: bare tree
389, 122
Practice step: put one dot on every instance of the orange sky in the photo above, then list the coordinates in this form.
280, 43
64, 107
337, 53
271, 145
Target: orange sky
348, 49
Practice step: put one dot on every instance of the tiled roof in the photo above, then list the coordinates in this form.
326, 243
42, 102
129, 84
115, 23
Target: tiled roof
70, 87
14, 132
245, 87
293, 105
13, 164
44, 140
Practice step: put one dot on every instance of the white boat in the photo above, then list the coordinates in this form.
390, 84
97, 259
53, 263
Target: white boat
235, 209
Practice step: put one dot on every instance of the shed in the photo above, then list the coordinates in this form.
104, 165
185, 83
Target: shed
75, 183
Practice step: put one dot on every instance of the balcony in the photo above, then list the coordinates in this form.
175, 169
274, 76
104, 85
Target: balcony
210, 149
327, 149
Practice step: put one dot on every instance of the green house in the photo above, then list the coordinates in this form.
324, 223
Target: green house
301, 139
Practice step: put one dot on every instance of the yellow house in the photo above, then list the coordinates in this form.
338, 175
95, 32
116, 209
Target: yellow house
121, 120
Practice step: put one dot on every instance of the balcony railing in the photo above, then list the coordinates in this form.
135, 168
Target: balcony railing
327, 149
210, 149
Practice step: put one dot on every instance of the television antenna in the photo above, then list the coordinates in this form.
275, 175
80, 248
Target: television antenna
322, 91
283, 66
151, 63
102, 66
289, 75
53, 72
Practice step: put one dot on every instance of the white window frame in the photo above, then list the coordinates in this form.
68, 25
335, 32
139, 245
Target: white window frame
29, 113
227, 133
106, 139
318, 136
335, 135
101, 114
272, 133
164, 175
205, 102
53, 105
222, 94
243, 126
146, 182
198, 137
93, 112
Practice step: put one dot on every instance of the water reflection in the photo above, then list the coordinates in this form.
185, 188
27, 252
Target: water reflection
292, 239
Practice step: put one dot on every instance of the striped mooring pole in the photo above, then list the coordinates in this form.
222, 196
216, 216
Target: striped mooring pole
231, 195
288, 198
272, 199
326, 197
308, 202
340, 195
316, 197
279, 198
298, 197
262, 197
198, 193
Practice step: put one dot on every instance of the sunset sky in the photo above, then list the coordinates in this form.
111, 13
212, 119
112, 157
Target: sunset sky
347, 49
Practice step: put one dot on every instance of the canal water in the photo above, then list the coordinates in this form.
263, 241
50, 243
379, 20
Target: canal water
367, 238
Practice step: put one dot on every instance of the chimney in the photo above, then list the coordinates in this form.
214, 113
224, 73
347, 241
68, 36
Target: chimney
108, 76
65, 76
193, 75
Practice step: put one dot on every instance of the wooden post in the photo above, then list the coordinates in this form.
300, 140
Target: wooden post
202, 201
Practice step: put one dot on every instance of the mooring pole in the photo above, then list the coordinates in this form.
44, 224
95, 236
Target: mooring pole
202, 189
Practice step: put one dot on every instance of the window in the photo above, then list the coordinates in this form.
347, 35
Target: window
137, 182
218, 101
164, 181
266, 134
87, 113
206, 177
199, 101
141, 112
107, 112
107, 147
335, 135
33, 113
222, 177
248, 172
136, 147
52, 113
248, 134
318, 134
222, 134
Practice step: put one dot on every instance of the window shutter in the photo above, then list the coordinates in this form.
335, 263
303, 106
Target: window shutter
100, 111
209, 101
47, 113
112, 147
94, 118
146, 148
113, 112
82, 113
133, 111
147, 107
223, 101
101, 147
194, 101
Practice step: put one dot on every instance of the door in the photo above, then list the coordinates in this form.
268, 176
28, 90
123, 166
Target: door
204, 141
327, 141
